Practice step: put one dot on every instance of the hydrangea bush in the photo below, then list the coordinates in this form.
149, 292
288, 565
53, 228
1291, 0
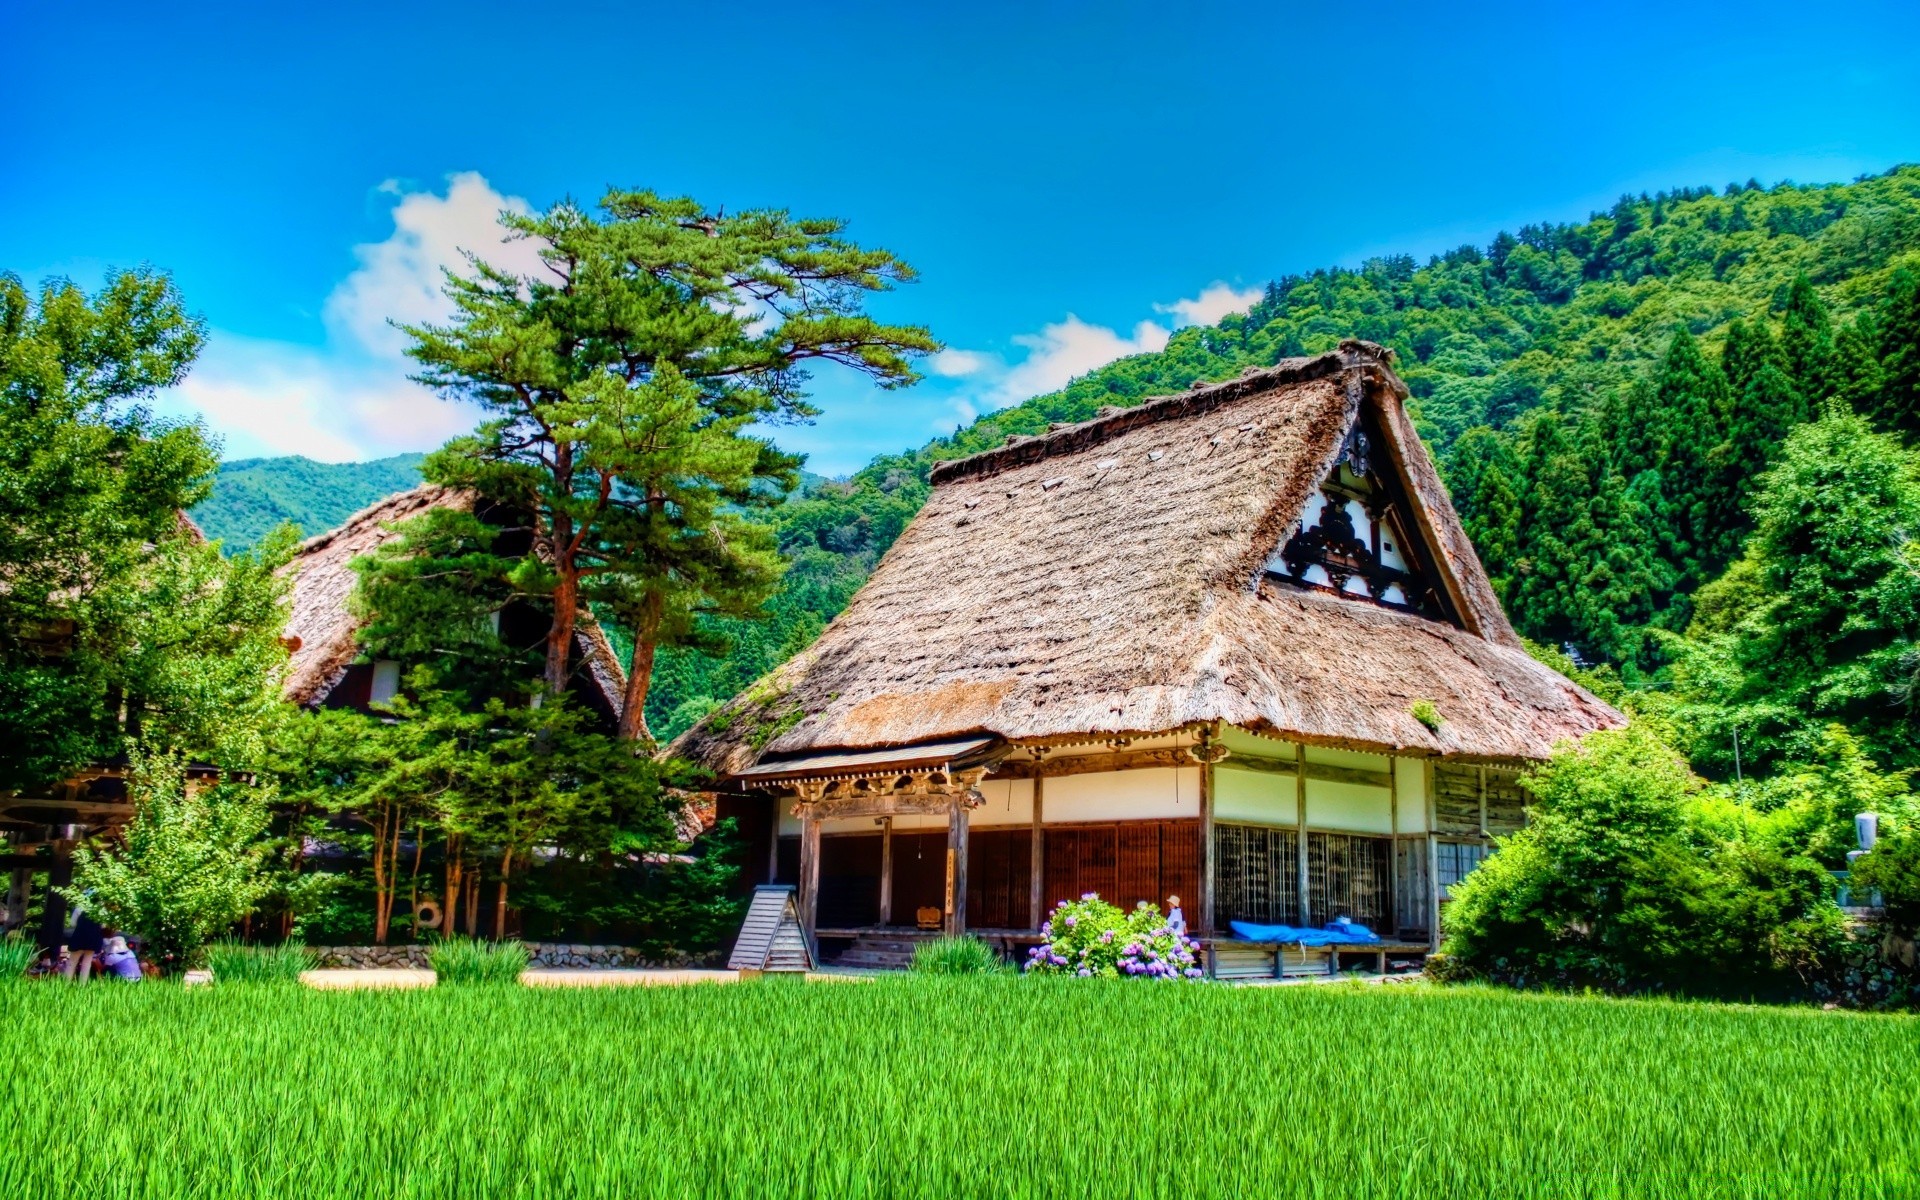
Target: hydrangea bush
1089, 937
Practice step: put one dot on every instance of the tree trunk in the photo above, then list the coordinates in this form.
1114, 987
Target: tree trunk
456, 881
382, 882
566, 596
500, 905
413, 883
633, 711
566, 609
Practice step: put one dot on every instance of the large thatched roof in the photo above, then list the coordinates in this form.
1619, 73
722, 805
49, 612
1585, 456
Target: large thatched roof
1107, 578
321, 628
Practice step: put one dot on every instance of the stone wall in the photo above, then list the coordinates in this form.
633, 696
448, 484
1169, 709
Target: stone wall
544, 954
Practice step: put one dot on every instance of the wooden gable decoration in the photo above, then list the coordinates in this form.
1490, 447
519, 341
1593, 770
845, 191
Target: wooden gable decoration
1354, 539
772, 938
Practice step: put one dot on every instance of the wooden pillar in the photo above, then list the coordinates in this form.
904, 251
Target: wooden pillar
1393, 847
809, 870
1483, 800
1206, 849
1300, 823
1037, 859
773, 839
957, 867
886, 870
53, 910
19, 895
1433, 865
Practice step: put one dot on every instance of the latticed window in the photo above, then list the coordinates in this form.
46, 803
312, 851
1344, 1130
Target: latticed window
1256, 875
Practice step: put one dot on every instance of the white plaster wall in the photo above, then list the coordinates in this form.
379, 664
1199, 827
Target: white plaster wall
1348, 807
1253, 796
1410, 782
1123, 795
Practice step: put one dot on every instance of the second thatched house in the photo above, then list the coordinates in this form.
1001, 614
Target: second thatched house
1231, 645
327, 668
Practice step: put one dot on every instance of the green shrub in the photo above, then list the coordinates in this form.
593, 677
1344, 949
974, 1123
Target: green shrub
237, 962
1893, 870
956, 956
17, 954
461, 960
1627, 879
1088, 937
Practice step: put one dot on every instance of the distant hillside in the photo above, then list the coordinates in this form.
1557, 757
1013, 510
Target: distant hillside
252, 495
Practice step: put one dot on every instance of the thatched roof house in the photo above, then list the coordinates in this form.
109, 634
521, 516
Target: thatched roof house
1111, 578
1227, 627
324, 666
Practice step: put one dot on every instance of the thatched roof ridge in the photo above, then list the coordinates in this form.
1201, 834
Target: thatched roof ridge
323, 581
321, 628
1108, 579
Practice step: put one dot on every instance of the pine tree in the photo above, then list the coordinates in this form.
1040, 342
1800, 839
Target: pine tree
1806, 343
625, 382
1898, 376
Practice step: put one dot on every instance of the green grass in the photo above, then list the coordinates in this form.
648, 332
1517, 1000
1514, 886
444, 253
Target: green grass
462, 960
956, 956
17, 952
927, 1086
237, 962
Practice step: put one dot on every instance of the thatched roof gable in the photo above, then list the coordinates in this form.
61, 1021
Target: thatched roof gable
1108, 578
321, 628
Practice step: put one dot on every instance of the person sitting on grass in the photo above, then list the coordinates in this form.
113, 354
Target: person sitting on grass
117, 958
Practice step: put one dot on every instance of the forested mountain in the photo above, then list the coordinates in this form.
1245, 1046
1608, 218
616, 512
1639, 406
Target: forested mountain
252, 495
1601, 396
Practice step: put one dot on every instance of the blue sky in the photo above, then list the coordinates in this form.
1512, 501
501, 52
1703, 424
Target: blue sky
1071, 180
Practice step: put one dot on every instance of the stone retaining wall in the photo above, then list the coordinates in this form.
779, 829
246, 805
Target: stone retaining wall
544, 954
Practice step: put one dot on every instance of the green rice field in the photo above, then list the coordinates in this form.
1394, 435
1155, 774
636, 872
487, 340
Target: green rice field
916, 1086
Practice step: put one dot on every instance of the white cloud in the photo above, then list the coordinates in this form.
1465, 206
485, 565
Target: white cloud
1065, 350
1061, 352
350, 398
1216, 301
400, 278
957, 364
267, 398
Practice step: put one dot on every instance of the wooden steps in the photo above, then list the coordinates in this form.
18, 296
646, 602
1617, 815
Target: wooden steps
890, 950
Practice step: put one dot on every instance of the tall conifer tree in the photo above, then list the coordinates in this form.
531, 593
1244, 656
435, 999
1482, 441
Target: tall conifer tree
1692, 396
1899, 354
1806, 342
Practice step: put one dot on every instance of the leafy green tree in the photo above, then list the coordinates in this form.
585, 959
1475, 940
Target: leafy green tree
115, 619
191, 863
1483, 473
1830, 637
623, 380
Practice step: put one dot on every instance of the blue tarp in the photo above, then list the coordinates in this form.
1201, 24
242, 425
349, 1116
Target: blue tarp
1338, 932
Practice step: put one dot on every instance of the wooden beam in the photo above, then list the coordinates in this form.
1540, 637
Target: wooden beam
1087, 764
886, 870
1300, 803
1433, 865
1037, 858
1323, 771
